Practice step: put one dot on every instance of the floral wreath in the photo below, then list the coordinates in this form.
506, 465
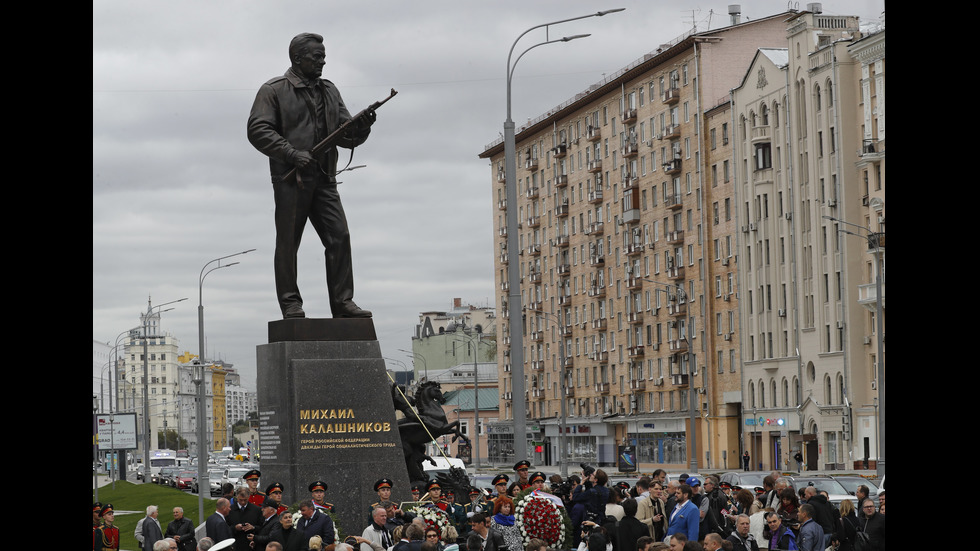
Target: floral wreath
539, 517
434, 517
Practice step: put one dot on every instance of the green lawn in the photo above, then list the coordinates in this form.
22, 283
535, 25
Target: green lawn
137, 497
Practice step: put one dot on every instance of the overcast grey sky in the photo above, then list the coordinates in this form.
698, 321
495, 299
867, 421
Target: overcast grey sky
176, 184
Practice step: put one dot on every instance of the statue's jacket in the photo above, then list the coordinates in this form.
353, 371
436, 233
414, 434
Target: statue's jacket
283, 121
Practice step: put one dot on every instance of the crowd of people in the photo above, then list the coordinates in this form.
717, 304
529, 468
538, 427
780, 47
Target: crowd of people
653, 514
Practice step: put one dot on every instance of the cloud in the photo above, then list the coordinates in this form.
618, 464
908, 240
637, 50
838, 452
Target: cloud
175, 183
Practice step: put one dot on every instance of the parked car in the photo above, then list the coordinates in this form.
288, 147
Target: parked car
185, 480
234, 474
748, 479
851, 483
824, 483
214, 480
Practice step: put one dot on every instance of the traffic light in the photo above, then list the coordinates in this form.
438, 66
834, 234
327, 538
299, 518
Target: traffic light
846, 426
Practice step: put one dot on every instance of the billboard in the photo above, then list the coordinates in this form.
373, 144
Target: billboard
116, 431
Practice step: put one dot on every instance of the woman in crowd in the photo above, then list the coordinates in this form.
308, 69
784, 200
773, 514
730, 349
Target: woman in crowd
503, 521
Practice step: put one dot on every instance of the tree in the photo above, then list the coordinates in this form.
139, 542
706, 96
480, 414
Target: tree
170, 440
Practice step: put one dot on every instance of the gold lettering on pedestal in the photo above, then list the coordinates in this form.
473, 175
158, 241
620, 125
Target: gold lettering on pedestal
350, 427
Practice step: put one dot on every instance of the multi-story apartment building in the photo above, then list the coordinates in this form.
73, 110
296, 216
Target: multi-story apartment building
148, 379
800, 158
625, 331
869, 53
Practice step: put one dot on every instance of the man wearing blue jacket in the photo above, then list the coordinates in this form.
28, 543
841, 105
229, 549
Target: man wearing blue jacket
686, 515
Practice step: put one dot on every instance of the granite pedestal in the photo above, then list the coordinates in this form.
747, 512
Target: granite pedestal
326, 413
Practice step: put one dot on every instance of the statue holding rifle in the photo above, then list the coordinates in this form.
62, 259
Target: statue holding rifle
298, 120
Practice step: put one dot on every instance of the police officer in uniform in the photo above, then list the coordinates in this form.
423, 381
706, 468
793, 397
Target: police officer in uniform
522, 468
255, 497
274, 491
106, 536
318, 490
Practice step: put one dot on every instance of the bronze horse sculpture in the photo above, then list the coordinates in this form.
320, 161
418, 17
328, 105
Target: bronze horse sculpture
424, 421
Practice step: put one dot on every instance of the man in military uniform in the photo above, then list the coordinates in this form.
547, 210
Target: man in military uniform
477, 504
499, 486
274, 491
536, 481
417, 491
318, 490
96, 515
383, 488
433, 495
455, 511
106, 536
522, 468
255, 497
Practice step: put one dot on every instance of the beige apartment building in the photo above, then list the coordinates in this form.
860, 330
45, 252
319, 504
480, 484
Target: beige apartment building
628, 241
808, 131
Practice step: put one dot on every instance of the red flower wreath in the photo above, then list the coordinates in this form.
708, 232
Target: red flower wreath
539, 518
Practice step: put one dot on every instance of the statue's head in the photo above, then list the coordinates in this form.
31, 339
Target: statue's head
307, 54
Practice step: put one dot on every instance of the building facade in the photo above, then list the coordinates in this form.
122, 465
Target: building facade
149, 380
445, 338
804, 327
624, 328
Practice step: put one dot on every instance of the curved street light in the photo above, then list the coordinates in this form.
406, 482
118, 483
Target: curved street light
513, 267
199, 378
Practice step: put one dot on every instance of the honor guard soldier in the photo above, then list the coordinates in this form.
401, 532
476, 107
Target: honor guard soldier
476, 504
499, 486
522, 468
106, 536
537, 480
433, 495
383, 488
417, 491
318, 490
255, 497
274, 491
96, 515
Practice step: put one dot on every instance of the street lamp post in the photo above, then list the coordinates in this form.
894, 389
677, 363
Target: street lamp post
200, 375
476, 391
417, 356
513, 267
146, 377
874, 243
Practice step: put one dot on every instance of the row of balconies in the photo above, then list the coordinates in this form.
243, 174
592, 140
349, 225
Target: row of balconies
604, 388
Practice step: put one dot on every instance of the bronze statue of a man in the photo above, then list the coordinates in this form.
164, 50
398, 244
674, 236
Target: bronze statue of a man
291, 114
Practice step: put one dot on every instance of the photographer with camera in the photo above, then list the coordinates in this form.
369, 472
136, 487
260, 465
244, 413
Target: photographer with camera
593, 495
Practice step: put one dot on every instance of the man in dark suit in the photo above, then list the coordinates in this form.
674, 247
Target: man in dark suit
244, 519
270, 520
216, 526
492, 539
152, 532
315, 523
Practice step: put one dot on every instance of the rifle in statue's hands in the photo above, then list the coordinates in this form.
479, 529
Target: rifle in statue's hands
367, 114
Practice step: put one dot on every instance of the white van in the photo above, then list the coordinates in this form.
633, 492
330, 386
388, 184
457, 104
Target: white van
442, 466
